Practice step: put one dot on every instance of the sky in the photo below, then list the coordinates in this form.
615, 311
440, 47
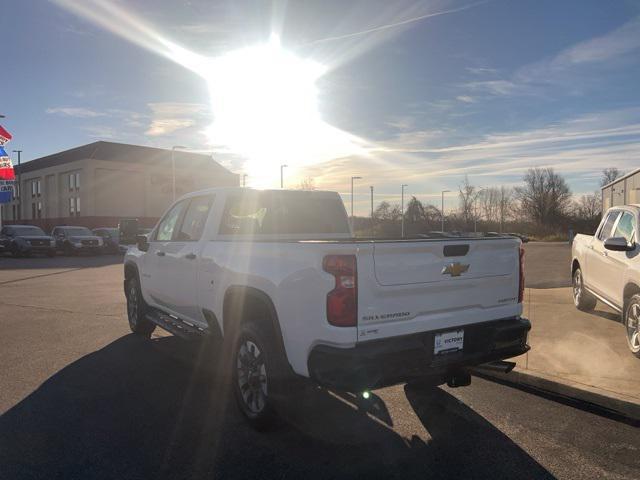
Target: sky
417, 93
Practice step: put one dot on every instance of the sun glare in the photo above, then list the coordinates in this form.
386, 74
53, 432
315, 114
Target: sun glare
265, 105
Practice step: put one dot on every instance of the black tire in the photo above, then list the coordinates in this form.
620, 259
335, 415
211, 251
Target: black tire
582, 299
631, 320
136, 310
258, 374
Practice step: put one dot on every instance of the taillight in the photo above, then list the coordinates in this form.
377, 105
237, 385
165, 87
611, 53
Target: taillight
342, 301
521, 285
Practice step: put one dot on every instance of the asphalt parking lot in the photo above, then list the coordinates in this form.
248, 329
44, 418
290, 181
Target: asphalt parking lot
80, 397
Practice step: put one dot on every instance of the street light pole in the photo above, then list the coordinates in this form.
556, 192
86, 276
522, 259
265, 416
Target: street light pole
17, 191
282, 167
352, 179
173, 170
402, 210
372, 226
442, 207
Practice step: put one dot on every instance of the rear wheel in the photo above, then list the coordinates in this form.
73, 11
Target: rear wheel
582, 299
632, 324
137, 309
256, 374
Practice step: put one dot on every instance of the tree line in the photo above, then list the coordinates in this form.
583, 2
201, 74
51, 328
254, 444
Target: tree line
543, 206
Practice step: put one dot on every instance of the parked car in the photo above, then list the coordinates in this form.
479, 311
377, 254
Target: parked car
606, 267
111, 239
278, 275
74, 240
25, 240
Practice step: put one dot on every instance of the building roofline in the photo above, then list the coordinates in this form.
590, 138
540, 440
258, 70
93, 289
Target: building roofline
112, 151
619, 179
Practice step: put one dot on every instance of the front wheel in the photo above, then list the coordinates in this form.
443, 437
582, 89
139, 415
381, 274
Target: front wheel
137, 309
254, 375
582, 299
632, 324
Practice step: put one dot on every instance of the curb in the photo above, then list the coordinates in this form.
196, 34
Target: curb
566, 389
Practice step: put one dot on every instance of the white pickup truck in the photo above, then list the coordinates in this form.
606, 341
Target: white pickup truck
277, 275
606, 267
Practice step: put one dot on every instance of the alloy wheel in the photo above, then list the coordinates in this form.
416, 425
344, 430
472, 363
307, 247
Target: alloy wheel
252, 377
633, 327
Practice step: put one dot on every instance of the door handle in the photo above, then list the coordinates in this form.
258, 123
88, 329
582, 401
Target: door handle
190, 256
160, 253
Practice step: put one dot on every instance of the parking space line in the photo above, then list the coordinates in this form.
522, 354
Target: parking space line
42, 275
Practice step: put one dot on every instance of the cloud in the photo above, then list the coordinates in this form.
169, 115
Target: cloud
578, 147
566, 68
78, 112
170, 117
465, 99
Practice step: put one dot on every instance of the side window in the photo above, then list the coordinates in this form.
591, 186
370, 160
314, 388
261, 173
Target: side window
168, 223
605, 231
626, 227
195, 219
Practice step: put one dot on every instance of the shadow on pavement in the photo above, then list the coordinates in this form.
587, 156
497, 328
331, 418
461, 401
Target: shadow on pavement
614, 317
130, 410
42, 262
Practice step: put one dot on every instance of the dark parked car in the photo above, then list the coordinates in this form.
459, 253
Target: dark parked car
111, 239
74, 240
24, 240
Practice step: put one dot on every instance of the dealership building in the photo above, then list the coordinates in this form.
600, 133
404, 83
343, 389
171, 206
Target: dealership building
102, 182
622, 191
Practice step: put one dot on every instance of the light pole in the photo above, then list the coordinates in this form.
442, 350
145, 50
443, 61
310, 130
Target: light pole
402, 210
442, 207
17, 190
244, 179
475, 210
173, 169
372, 225
352, 179
282, 167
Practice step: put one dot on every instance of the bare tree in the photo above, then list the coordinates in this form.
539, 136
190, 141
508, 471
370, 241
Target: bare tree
545, 197
489, 200
609, 175
589, 207
307, 183
467, 199
387, 212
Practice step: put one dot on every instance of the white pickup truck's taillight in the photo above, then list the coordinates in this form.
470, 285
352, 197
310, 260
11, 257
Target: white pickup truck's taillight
342, 301
521, 271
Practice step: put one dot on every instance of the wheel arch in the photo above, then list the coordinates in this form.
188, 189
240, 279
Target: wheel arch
575, 264
130, 271
240, 302
630, 289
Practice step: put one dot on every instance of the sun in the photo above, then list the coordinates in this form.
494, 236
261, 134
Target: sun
265, 105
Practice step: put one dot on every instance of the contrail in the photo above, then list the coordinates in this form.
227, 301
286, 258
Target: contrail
396, 24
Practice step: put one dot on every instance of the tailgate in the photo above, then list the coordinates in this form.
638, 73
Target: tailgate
429, 285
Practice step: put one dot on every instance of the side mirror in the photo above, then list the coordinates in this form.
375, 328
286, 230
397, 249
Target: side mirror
618, 244
142, 242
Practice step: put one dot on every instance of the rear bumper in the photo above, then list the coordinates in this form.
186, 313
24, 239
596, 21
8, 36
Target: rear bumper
390, 361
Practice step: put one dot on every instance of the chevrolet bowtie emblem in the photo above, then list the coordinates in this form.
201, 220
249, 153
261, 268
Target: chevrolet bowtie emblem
455, 269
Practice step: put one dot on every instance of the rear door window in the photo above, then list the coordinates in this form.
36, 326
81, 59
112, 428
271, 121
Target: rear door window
605, 231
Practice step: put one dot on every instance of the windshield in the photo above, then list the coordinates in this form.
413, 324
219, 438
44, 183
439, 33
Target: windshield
77, 231
27, 231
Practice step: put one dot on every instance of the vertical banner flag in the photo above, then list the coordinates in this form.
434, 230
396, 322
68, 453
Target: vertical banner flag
7, 175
